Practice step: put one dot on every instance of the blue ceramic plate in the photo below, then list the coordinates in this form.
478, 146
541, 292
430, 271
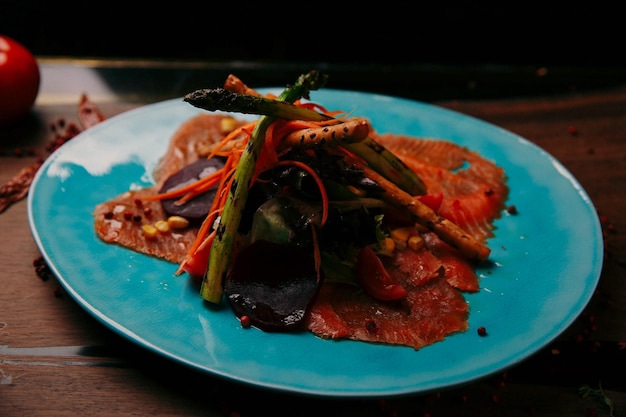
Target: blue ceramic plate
546, 261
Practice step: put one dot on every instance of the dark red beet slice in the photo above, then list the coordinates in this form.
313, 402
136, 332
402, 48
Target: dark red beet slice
273, 284
196, 209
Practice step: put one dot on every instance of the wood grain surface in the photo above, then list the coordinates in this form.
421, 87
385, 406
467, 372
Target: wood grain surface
56, 360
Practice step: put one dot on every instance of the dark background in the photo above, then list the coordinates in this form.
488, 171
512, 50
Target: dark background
389, 32
423, 50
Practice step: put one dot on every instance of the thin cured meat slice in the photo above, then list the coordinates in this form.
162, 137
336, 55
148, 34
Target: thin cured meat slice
120, 219
434, 259
428, 314
435, 276
474, 189
189, 143
474, 193
459, 271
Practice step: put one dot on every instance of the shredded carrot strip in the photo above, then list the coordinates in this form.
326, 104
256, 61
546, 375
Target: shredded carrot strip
223, 193
320, 108
204, 228
245, 129
311, 106
267, 157
208, 240
211, 178
204, 187
199, 189
205, 235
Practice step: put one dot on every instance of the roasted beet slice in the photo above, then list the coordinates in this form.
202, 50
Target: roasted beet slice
273, 284
196, 209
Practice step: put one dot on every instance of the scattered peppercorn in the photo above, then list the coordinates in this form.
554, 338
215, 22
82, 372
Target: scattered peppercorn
245, 321
511, 209
482, 331
42, 269
63, 132
371, 326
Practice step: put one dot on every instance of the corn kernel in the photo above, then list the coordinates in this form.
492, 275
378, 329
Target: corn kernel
227, 124
149, 231
388, 245
402, 234
415, 242
177, 222
162, 226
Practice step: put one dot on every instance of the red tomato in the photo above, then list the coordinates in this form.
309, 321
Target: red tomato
19, 80
375, 279
432, 200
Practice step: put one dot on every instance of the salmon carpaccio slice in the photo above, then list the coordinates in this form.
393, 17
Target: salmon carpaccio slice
473, 187
474, 193
430, 312
435, 276
115, 220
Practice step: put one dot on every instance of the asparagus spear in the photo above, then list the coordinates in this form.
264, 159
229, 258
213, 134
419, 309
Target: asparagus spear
448, 231
223, 244
228, 101
388, 165
375, 154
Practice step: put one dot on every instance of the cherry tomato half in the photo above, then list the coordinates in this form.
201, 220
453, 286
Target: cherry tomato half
375, 279
432, 200
19, 80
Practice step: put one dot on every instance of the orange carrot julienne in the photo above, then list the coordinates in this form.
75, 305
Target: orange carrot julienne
267, 157
245, 129
211, 178
205, 236
196, 191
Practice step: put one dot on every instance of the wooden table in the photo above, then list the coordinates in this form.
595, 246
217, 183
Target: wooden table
57, 360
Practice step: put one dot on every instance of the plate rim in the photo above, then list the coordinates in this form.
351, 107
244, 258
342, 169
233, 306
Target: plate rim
125, 332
